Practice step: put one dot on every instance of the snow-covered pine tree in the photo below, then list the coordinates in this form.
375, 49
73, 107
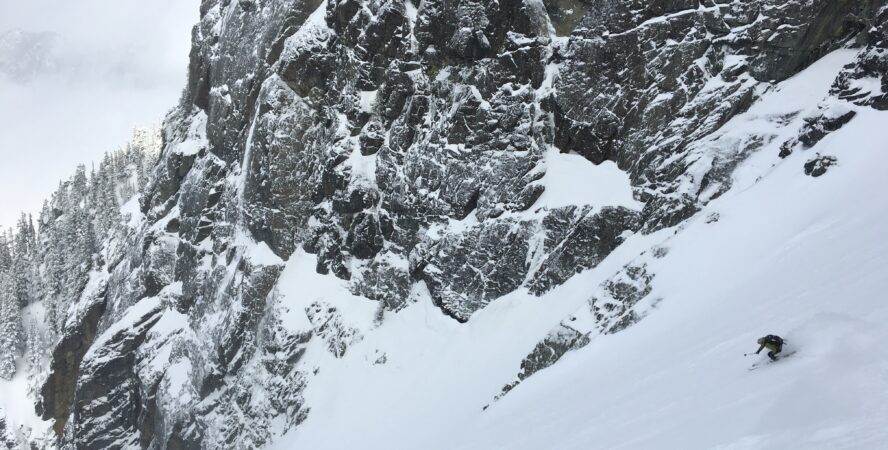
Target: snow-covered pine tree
20, 270
7, 438
37, 343
80, 216
5, 253
11, 335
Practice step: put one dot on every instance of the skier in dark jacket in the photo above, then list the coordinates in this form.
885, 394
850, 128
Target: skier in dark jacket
773, 343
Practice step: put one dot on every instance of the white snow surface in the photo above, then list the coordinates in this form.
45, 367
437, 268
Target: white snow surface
802, 257
196, 138
132, 212
572, 180
16, 395
15, 403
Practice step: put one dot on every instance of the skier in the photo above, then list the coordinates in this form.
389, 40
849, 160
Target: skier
773, 343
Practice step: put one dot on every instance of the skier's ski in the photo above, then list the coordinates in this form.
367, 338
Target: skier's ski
768, 361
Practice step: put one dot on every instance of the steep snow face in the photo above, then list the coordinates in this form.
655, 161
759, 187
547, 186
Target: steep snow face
791, 255
788, 254
402, 219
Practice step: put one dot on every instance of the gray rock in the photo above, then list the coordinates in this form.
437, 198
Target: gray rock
818, 165
577, 240
109, 407
613, 309
328, 325
58, 392
855, 82
817, 128
556, 344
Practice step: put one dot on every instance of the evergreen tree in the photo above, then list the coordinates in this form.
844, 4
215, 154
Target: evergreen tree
20, 270
5, 253
52, 262
37, 345
7, 438
11, 335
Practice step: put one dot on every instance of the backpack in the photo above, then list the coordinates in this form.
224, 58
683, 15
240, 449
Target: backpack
774, 340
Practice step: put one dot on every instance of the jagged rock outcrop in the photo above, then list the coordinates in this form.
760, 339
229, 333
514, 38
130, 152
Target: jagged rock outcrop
108, 409
327, 325
818, 165
406, 146
464, 271
615, 306
556, 344
58, 392
865, 82
816, 128
613, 311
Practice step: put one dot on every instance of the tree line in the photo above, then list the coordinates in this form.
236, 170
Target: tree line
45, 264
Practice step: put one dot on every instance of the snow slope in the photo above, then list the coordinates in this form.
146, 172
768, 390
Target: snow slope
792, 255
804, 258
17, 395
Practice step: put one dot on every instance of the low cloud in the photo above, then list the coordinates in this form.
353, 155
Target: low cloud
75, 78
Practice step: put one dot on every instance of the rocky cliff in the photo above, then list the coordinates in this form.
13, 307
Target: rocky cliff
409, 148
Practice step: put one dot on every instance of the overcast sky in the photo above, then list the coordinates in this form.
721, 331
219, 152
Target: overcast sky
113, 65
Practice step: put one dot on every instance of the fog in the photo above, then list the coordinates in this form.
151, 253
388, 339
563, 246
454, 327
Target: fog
75, 78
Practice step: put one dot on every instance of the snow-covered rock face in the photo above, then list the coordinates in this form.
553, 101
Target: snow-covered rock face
412, 148
360, 130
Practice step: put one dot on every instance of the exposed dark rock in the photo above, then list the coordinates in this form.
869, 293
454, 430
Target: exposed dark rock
828, 119
800, 33
578, 240
561, 340
465, 271
661, 252
818, 165
328, 325
58, 392
865, 82
613, 310
107, 411
817, 128
355, 201
386, 281
787, 147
